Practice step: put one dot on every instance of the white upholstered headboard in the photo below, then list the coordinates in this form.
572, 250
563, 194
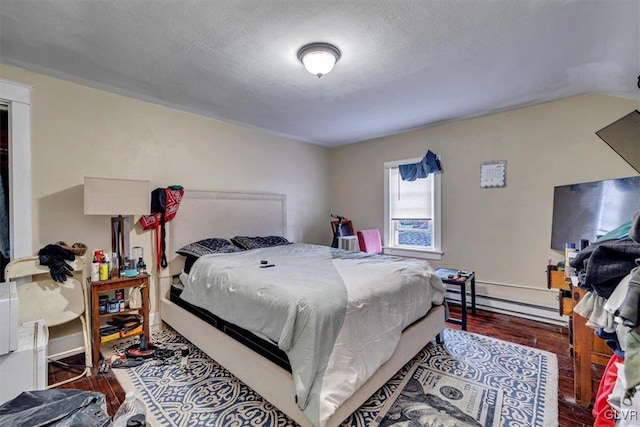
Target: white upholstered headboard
204, 214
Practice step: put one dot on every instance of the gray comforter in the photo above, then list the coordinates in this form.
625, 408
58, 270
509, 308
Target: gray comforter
325, 308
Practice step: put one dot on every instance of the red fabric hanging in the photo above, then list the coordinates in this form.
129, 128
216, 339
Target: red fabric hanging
172, 199
158, 238
164, 206
602, 411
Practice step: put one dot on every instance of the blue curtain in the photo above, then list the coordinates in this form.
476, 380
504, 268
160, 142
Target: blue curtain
428, 164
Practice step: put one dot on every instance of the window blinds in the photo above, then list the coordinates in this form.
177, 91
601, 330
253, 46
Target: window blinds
410, 199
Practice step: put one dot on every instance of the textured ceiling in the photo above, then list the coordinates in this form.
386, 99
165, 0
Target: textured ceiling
405, 64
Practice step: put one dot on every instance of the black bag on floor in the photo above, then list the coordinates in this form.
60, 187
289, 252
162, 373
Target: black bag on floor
60, 408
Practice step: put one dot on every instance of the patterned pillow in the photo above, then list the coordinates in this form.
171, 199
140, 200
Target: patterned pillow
275, 240
191, 259
246, 242
207, 246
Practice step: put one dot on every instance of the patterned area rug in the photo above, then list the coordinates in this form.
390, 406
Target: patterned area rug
523, 379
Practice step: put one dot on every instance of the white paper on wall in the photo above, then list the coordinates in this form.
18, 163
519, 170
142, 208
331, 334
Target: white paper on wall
493, 174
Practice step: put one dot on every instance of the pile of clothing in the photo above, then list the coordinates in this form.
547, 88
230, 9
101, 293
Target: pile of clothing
609, 270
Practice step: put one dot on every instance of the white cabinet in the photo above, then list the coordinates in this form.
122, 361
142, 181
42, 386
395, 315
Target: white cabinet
8, 317
26, 368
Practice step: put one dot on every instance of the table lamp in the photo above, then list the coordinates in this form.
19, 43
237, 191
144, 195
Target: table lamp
120, 199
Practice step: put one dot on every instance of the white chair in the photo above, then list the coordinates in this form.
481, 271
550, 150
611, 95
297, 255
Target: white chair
41, 298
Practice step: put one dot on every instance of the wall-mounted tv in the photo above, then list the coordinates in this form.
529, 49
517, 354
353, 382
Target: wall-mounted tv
589, 210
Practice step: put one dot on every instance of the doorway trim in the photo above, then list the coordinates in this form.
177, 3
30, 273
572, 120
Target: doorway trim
18, 97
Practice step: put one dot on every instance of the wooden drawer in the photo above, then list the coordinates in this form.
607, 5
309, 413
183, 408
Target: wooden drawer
565, 300
556, 279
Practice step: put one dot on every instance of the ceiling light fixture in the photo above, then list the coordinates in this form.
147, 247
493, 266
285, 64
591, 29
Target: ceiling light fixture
319, 58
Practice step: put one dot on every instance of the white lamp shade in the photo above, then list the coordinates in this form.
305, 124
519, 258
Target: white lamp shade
107, 196
319, 63
319, 58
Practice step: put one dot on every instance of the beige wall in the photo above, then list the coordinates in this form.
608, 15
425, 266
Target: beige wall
79, 131
503, 234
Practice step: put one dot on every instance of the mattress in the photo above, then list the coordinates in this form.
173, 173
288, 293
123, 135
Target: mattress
261, 346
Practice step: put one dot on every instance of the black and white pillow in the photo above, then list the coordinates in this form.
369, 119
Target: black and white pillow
195, 250
275, 240
207, 246
246, 242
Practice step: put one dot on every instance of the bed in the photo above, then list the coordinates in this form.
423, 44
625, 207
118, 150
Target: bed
221, 214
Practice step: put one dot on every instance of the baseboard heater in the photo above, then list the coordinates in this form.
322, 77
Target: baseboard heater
512, 308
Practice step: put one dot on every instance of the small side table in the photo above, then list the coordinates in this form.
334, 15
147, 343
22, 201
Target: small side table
111, 285
460, 278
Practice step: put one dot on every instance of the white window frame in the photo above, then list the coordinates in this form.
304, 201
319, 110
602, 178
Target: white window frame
18, 97
436, 252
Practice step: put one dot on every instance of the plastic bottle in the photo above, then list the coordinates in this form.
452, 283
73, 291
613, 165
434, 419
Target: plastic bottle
95, 269
115, 266
130, 407
142, 267
124, 266
569, 253
108, 261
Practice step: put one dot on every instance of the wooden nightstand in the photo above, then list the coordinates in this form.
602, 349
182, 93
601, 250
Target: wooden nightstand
111, 285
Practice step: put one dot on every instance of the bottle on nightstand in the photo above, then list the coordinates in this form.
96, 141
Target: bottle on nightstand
104, 269
570, 252
142, 267
115, 266
95, 269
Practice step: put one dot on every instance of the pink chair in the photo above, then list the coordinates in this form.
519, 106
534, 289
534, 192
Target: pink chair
369, 241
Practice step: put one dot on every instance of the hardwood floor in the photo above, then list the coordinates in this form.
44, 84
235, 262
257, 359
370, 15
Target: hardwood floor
554, 339
106, 384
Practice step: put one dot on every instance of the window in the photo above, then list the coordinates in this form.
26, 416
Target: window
412, 213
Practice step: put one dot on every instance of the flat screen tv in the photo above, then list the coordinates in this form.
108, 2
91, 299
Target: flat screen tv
589, 210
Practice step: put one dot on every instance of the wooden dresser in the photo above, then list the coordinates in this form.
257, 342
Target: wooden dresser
590, 356
590, 353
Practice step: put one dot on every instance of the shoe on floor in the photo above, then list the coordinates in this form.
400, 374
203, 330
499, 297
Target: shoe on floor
128, 363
